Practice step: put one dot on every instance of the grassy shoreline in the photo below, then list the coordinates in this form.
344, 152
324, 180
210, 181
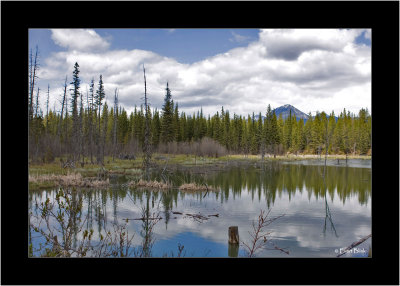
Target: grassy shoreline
51, 175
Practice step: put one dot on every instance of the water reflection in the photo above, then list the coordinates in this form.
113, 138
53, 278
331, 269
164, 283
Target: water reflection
313, 203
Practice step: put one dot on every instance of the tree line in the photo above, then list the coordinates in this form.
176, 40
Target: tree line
86, 127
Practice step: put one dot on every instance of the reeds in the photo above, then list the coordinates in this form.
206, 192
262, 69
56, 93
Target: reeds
69, 180
150, 184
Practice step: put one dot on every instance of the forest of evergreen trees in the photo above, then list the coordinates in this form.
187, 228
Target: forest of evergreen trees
87, 127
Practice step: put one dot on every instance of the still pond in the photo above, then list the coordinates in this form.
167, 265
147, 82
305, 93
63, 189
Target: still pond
320, 217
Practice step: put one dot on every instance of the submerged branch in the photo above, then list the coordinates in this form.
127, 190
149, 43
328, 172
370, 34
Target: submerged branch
354, 244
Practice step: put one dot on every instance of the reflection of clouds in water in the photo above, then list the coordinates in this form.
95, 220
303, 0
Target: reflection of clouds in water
303, 221
301, 229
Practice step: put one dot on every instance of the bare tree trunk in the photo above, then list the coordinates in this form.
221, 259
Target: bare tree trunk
30, 96
81, 141
47, 107
37, 103
36, 129
115, 123
63, 105
104, 137
90, 127
326, 144
99, 159
66, 140
147, 151
33, 76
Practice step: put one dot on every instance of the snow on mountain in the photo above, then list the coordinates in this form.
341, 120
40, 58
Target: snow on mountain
285, 111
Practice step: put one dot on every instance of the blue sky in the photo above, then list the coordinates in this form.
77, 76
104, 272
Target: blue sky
242, 69
184, 45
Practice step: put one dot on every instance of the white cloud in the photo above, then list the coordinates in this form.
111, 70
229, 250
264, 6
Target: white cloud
290, 43
238, 38
310, 69
79, 39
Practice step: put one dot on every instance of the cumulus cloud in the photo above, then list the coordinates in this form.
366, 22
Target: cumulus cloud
311, 69
79, 39
288, 44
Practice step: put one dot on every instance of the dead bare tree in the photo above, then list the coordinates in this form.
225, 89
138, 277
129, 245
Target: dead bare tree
105, 124
100, 94
33, 68
115, 123
91, 108
47, 107
81, 142
62, 107
37, 103
146, 147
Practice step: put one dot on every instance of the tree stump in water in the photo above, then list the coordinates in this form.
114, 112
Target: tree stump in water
233, 233
233, 249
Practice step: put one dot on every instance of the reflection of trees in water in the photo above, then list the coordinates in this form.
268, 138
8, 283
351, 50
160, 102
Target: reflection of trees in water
278, 179
272, 180
328, 214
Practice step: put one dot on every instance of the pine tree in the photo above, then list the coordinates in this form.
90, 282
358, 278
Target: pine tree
183, 123
104, 121
308, 132
74, 111
176, 124
167, 132
331, 130
227, 137
156, 128
253, 136
287, 131
217, 134
275, 138
100, 95
363, 131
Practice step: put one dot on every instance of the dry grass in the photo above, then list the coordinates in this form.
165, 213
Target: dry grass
149, 184
70, 180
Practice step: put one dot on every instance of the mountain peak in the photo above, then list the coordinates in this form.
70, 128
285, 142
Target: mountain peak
286, 109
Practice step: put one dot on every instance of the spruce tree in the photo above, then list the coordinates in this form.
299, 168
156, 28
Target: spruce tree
156, 127
167, 132
74, 103
176, 124
100, 94
274, 129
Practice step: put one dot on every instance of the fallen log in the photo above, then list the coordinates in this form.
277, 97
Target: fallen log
198, 216
216, 215
143, 218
